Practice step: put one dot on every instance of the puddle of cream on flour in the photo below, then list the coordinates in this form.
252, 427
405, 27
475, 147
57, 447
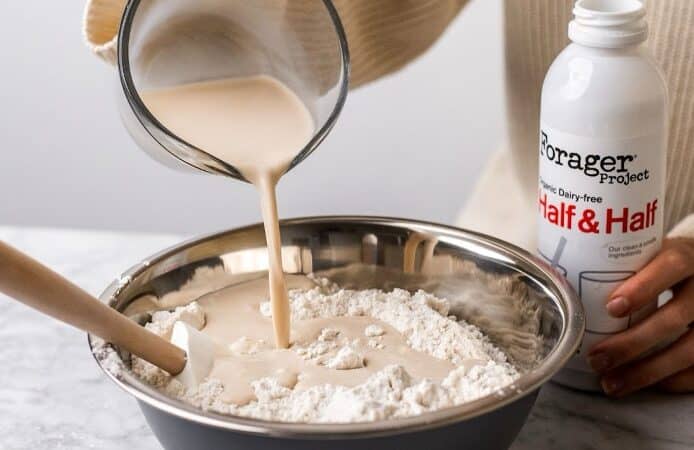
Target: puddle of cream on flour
256, 124
233, 315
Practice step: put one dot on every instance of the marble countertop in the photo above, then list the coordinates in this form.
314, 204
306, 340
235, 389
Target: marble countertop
53, 395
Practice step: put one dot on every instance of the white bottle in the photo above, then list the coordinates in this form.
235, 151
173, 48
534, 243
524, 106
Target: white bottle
602, 164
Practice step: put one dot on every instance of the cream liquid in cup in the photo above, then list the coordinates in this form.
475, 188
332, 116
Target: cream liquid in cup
256, 124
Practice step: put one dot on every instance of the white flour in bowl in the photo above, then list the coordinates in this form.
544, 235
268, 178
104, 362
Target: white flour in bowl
356, 356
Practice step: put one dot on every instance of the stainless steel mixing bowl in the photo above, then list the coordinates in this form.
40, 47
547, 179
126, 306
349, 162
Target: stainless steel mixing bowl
525, 307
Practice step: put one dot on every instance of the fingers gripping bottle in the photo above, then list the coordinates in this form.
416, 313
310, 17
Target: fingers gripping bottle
602, 164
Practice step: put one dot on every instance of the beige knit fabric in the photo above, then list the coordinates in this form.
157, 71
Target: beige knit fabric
100, 26
384, 35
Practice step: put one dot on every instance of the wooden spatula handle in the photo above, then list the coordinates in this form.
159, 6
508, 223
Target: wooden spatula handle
37, 286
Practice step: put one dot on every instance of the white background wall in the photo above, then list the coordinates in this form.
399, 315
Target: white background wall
410, 145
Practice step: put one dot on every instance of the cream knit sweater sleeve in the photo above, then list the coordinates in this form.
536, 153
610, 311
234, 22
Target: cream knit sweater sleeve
100, 27
684, 228
383, 35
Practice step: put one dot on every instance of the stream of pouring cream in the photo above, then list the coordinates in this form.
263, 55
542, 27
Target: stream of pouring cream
256, 124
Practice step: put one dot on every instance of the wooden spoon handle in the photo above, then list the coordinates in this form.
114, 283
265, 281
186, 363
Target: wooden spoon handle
35, 285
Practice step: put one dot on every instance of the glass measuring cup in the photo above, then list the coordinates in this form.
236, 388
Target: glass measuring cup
164, 43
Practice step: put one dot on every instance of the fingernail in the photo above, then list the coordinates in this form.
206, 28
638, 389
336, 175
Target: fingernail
618, 306
611, 385
599, 362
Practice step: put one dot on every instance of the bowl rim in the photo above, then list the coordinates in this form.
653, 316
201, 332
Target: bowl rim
567, 344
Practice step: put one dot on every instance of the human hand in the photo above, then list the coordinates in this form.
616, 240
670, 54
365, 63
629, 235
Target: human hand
616, 359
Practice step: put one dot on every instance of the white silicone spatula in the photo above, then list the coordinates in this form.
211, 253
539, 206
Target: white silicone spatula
188, 357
